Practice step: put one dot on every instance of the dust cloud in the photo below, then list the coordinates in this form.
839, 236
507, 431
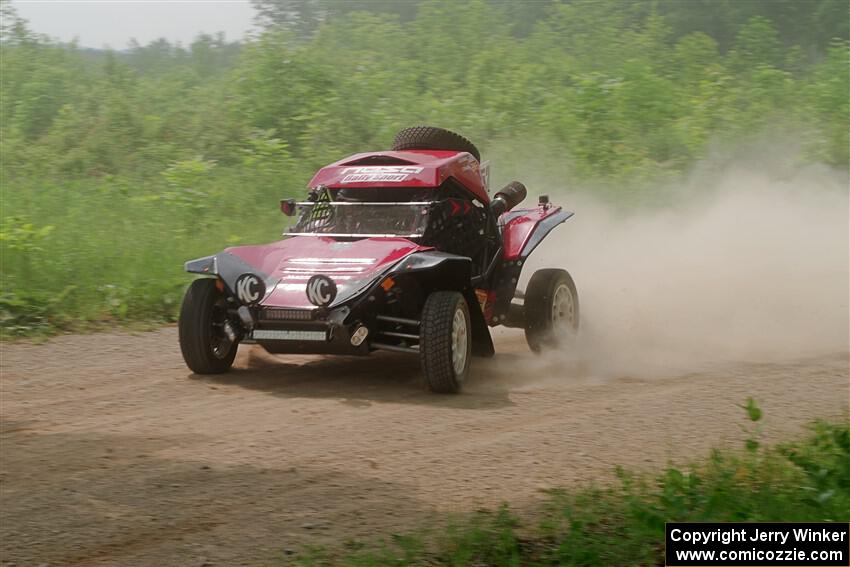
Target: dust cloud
741, 263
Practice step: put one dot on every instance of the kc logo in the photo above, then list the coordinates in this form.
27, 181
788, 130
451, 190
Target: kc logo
321, 290
250, 289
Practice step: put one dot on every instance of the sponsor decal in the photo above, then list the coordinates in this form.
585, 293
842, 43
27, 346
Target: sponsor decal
376, 173
250, 289
321, 290
338, 246
469, 163
485, 175
322, 209
459, 207
481, 296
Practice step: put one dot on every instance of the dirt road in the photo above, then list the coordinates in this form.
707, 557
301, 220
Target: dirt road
114, 454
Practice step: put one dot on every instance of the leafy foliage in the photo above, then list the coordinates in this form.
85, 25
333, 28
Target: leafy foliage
624, 524
143, 158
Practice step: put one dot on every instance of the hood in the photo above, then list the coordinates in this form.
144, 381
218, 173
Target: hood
288, 264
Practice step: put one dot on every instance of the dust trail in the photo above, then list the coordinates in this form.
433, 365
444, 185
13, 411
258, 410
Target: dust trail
748, 266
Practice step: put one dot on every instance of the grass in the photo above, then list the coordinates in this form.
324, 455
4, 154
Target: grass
83, 254
623, 524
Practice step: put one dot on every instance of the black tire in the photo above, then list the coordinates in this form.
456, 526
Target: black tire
437, 342
203, 343
433, 138
548, 326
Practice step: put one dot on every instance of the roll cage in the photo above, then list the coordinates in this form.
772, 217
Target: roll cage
449, 218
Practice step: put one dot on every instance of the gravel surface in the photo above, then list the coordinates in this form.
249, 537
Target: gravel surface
113, 453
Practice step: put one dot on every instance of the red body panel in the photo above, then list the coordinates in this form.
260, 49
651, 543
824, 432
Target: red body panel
520, 226
292, 261
412, 168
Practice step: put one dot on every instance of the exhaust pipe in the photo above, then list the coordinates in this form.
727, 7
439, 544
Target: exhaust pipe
508, 197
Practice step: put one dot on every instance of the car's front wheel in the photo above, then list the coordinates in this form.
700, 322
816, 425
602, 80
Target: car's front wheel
207, 341
445, 341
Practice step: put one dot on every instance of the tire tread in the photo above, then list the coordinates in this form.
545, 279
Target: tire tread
433, 138
435, 341
538, 298
194, 331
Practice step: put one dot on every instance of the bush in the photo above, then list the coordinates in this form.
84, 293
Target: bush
142, 159
624, 524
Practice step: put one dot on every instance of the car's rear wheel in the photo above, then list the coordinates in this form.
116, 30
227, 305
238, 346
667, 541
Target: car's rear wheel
206, 344
445, 341
551, 309
433, 138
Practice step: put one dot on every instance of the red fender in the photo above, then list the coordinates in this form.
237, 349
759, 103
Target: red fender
524, 229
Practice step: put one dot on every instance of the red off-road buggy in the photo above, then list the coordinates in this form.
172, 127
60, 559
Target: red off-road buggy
400, 250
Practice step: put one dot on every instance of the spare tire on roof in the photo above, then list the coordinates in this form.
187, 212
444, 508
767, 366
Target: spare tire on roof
433, 138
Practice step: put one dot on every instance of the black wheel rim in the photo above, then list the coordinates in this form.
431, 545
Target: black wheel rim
220, 343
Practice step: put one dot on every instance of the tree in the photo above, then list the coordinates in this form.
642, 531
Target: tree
299, 16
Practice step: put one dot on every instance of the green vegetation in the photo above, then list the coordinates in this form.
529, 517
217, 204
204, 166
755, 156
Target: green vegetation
624, 524
118, 166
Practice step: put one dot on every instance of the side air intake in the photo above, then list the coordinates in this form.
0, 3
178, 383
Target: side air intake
508, 197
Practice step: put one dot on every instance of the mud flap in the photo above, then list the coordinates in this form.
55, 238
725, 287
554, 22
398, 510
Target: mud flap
482, 342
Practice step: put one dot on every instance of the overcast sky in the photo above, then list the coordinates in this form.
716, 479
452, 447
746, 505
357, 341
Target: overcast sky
113, 23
